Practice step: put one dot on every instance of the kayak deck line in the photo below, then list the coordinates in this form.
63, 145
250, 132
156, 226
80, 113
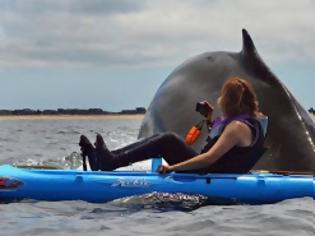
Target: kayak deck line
147, 172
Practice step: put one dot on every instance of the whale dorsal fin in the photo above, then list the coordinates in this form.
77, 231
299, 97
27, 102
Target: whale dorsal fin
252, 60
248, 44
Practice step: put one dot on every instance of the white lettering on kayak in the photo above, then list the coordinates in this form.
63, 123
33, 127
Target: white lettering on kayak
131, 183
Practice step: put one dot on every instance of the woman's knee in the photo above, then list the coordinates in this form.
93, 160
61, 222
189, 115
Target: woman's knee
171, 137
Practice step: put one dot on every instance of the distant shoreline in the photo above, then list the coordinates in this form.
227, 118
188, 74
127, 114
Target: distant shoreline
80, 117
70, 111
72, 114
73, 117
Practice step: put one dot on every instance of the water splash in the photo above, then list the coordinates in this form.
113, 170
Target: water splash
71, 161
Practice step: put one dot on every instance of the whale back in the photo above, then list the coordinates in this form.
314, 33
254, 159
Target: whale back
291, 131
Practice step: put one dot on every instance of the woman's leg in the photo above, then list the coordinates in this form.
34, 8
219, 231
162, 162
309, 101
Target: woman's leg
138, 143
168, 145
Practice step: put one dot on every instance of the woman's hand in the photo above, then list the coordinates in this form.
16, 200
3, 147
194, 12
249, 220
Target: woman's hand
163, 169
209, 117
210, 114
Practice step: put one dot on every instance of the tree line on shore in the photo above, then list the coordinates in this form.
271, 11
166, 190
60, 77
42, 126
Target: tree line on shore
75, 111
91, 111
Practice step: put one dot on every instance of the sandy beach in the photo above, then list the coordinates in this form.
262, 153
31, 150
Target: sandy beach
72, 117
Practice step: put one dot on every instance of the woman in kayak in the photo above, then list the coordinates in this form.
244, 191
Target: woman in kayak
235, 142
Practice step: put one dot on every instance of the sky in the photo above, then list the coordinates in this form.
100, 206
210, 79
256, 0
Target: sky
113, 54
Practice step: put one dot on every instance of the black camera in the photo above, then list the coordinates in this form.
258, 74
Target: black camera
204, 108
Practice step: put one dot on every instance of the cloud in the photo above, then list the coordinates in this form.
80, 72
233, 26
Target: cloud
70, 6
95, 33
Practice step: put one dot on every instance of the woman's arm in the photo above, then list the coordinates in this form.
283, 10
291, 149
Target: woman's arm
231, 136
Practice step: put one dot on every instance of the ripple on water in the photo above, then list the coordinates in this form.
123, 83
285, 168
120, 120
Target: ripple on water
124, 216
144, 215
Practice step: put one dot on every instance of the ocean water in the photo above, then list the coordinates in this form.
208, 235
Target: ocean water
54, 143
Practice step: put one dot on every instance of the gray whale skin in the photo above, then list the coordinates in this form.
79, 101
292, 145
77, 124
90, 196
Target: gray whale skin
291, 132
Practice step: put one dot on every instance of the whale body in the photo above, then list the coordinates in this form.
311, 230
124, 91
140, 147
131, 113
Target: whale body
291, 131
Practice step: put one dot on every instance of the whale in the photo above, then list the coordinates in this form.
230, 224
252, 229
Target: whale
290, 139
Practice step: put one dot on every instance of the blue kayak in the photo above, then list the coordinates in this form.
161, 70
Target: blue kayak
58, 185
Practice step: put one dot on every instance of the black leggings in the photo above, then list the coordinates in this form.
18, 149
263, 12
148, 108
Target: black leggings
168, 145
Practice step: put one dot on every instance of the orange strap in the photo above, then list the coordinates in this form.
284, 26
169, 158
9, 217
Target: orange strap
192, 135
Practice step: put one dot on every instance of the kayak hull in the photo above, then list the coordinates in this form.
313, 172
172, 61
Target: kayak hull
60, 185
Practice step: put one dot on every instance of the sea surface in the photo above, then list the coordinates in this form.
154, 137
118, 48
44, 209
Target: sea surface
53, 142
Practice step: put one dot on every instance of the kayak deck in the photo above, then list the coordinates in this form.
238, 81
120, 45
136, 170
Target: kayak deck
91, 186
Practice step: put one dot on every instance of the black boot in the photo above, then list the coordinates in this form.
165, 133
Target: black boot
105, 157
88, 150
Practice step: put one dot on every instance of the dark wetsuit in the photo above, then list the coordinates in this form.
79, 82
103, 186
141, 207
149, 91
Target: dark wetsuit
174, 150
